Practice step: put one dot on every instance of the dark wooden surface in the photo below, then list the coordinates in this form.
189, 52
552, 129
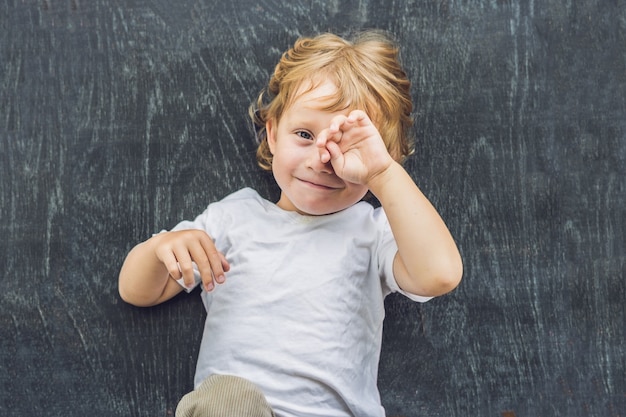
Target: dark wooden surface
119, 118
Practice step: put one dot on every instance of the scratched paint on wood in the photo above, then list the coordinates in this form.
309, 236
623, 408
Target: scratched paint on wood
119, 120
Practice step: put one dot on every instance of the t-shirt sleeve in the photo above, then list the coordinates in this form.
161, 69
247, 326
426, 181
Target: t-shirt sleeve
212, 221
387, 250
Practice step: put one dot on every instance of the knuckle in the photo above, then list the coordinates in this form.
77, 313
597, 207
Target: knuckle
205, 269
186, 267
173, 270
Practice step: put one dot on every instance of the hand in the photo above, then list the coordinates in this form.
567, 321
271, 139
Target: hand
354, 148
177, 250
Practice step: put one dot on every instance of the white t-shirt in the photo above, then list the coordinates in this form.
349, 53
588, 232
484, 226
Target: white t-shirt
301, 311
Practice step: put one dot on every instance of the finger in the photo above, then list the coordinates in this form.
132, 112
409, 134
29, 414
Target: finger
321, 142
225, 263
333, 134
334, 153
211, 278
358, 116
185, 266
217, 261
337, 125
203, 264
321, 139
171, 264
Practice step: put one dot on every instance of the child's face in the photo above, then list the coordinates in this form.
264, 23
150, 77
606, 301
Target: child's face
307, 185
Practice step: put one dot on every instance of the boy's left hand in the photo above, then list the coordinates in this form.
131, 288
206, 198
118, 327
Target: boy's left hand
354, 147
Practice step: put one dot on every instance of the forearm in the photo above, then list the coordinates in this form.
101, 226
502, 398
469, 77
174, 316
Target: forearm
143, 279
429, 261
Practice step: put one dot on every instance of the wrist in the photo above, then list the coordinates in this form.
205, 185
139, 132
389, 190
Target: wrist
381, 181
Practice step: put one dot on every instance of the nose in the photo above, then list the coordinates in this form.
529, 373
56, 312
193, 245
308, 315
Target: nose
315, 163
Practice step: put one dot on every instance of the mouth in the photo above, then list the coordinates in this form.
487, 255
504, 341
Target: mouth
318, 185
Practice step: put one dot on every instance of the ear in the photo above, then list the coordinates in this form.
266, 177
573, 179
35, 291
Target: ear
270, 134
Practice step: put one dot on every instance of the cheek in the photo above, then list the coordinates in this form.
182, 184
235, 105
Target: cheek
353, 194
288, 156
282, 163
359, 193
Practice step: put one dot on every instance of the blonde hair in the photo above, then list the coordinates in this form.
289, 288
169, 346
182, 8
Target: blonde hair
368, 76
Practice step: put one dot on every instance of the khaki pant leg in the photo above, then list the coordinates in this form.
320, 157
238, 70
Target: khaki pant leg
224, 396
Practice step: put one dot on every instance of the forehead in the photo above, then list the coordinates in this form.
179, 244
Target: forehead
322, 95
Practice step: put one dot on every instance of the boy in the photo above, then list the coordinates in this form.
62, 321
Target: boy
296, 329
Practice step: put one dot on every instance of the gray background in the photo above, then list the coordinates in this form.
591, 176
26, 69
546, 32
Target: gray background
120, 118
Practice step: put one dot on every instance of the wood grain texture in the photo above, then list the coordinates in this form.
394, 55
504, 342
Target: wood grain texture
118, 119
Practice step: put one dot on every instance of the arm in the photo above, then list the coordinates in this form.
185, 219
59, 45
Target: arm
428, 262
146, 275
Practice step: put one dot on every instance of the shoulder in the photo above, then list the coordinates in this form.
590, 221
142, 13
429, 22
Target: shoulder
243, 204
245, 196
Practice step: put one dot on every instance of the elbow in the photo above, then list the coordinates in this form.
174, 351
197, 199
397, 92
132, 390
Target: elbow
138, 297
132, 298
445, 278
437, 278
125, 295
450, 277
135, 301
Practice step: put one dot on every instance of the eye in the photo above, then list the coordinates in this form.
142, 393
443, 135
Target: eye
304, 134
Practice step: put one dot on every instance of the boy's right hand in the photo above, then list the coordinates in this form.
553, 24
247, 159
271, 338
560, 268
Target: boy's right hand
177, 250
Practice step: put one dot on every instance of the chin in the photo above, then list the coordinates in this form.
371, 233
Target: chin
316, 210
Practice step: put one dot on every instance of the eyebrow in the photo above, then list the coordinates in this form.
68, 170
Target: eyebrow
306, 121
